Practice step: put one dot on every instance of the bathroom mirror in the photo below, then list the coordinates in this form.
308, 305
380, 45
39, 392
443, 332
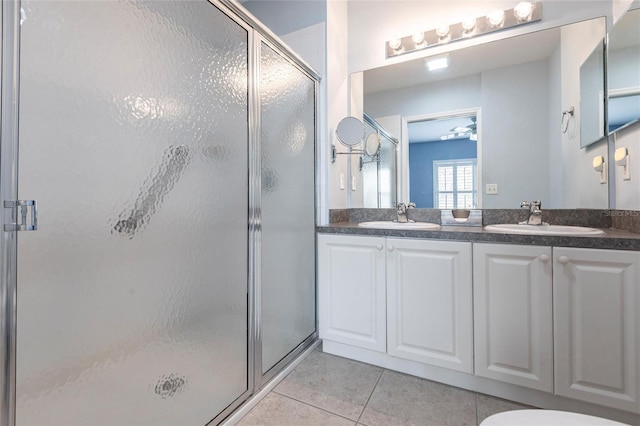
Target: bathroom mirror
517, 88
372, 145
623, 72
350, 131
591, 113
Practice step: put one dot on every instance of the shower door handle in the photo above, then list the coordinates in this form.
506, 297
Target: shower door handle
23, 206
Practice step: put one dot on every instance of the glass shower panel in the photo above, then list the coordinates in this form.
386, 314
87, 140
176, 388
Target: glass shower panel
132, 294
387, 173
370, 191
288, 212
379, 174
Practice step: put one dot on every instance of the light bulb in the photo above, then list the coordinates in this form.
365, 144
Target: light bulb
523, 10
468, 24
495, 18
442, 30
418, 37
395, 44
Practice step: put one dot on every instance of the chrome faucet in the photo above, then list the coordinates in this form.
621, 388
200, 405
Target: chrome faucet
535, 212
402, 212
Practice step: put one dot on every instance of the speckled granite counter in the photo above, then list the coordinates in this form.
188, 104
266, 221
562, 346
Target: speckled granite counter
611, 239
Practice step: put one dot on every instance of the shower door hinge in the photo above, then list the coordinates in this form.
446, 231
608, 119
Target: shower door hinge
23, 206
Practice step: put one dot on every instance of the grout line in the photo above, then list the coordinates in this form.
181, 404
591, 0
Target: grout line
370, 395
475, 398
311, 405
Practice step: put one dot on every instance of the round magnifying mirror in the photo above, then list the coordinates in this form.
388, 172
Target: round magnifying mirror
350, 131
372, 145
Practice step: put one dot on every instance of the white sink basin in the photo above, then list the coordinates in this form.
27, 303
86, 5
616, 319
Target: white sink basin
397, 225
512, 228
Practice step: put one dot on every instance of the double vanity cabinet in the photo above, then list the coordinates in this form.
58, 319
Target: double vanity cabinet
564, 322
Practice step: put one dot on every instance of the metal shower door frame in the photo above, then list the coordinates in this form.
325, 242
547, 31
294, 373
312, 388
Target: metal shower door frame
9, 191
263, 35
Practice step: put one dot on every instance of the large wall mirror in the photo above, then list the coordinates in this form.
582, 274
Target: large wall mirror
485, 132
623, 71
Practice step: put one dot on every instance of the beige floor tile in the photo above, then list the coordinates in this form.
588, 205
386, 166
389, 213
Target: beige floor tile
400, 399
488, 405
332, 383
278, 410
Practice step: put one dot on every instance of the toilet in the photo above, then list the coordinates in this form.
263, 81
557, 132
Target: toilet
545, 418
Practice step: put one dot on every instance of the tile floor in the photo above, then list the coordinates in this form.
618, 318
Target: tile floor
329, 390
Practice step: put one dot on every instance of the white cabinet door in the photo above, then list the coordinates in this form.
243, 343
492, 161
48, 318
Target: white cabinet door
597, 326
429, 309
351, 290
513, 314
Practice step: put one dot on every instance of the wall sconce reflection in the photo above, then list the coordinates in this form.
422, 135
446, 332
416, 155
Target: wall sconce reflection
600, 166
622, 159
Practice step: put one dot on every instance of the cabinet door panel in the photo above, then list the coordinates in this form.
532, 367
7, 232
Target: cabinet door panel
513, 314
597, 331
430, 302
351, 290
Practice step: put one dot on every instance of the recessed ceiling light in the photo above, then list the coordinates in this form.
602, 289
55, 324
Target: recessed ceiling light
437, 63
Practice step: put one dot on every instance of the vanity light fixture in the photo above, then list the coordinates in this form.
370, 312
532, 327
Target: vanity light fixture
523, 10
443, 31
468, 25
496, 20
418, 38
600, 166
621, 156
395, 44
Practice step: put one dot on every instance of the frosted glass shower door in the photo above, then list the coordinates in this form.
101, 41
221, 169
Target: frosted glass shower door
132, 294
288, 208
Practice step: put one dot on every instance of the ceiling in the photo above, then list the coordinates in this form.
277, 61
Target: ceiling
469, 61
431, 130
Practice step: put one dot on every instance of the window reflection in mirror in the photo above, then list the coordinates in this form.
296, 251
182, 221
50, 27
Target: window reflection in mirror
623, 71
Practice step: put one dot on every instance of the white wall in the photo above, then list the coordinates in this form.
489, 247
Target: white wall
432, 98
337, 98
628, 191
556, 182
581, 183
515, 141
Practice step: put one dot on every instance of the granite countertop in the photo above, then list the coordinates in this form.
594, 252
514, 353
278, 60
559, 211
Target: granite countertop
611, 239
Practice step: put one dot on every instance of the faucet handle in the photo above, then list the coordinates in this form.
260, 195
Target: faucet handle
525, 204
536, 203
411, 205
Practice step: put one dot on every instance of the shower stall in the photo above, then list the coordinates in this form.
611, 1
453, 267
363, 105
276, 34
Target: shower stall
157, 179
